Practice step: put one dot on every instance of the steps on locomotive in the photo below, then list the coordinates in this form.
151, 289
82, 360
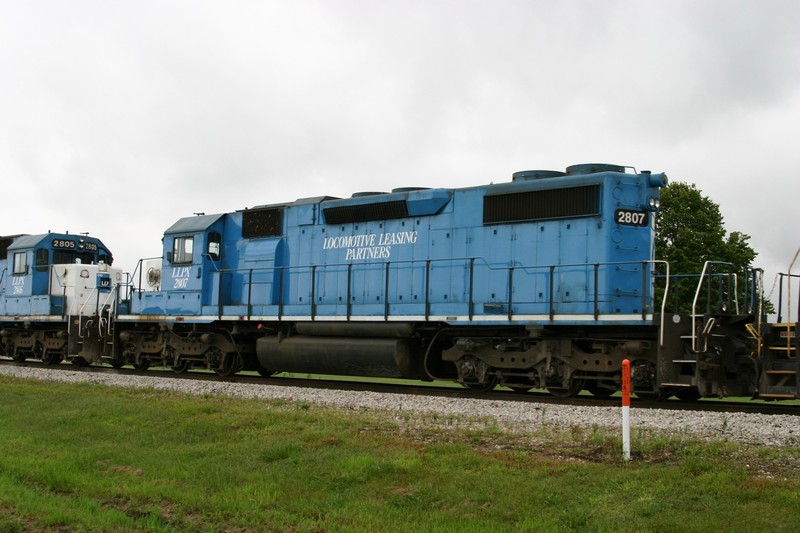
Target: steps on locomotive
783, 339
781, 380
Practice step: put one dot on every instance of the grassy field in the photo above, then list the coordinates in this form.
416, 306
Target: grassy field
91, 458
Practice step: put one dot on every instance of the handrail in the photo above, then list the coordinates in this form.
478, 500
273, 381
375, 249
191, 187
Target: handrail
52, 272
694, 306
758, 290
424, 267
789, 288
111, 297
139, 268
700, 282
80, 311
780, 295
663, 301
755, 333
421, 262
112, 309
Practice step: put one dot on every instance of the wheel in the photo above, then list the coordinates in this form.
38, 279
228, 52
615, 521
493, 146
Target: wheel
181, 367
688, 394
491, 383
142, 365
575, 386
38, 351
16, 355
519, 385
79, 361
264, 372
51, 358
117, 364
648, 397
598, 391
230, 364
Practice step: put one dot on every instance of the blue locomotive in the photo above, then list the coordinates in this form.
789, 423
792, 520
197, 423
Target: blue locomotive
545, 281
53, 288
397, 284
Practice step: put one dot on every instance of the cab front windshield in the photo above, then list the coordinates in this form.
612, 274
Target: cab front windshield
63, 257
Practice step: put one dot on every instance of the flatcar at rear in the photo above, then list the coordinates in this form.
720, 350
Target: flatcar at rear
58, 294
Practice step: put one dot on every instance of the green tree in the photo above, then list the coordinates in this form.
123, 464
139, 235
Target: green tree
690, 230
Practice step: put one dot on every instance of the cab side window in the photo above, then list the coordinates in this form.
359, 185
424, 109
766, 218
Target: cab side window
42, 259
182, 248
214, 245
20, 263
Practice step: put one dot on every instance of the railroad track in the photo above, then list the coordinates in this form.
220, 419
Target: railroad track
434, 390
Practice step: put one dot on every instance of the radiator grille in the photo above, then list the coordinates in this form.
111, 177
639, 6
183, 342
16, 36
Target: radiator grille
4, 244
542, 205
262, 223
366, 213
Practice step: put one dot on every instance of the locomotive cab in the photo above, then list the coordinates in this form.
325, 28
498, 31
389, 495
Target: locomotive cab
32, 286
175, 325
192, 254
54, 290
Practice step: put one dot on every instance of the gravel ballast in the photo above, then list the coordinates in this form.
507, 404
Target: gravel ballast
758, 429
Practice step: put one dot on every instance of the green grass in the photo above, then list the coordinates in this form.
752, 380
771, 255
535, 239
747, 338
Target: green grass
91, 458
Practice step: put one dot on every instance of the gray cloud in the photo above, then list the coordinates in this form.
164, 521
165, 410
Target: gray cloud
118, 117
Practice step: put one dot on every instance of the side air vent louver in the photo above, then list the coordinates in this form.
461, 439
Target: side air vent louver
542, 205
4, 244
366, 213
262, 223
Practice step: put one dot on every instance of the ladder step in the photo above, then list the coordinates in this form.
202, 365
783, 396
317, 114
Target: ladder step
783, 348
778, 396
692, 361
676, 385
781, 372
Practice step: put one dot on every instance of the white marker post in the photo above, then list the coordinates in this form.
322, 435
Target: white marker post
626, 410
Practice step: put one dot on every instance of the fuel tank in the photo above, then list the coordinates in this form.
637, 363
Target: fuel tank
347, 356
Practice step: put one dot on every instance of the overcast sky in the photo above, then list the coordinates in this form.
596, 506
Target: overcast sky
117, 118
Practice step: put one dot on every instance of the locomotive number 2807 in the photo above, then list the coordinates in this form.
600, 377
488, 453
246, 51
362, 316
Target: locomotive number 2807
627, 217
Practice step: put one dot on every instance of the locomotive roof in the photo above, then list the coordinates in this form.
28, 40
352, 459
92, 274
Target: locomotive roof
26, 241
193, 224
30, 241
300, 201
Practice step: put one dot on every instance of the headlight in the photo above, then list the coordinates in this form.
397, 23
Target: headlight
652, 204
